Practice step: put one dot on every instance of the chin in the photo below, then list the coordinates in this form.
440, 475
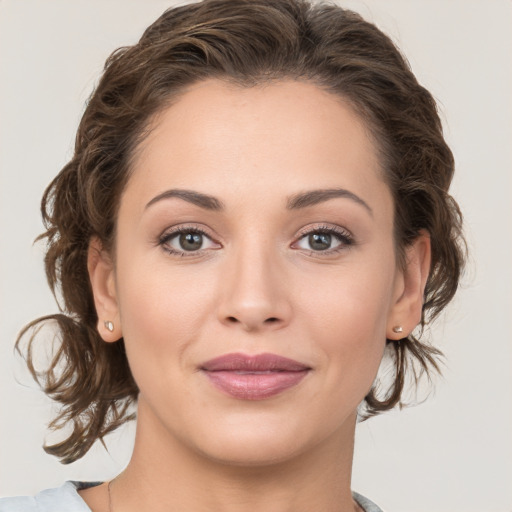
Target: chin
258, 442
252, 451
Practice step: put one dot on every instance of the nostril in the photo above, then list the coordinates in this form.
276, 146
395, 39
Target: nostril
251, 323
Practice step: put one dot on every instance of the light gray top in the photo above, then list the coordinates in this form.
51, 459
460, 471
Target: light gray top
66, 499
61, 499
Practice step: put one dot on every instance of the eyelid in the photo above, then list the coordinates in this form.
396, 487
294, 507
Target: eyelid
324, 227
344, 236
173, 231
187, 226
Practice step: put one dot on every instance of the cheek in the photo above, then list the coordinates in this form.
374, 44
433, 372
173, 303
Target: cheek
160, 313
353, 301
347, 319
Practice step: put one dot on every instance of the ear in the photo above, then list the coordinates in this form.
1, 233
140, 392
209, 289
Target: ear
409, 288
102, 277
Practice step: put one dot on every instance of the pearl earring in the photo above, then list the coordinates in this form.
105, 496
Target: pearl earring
109, 326
397, 329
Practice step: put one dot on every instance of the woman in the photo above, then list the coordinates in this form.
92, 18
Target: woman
256, 213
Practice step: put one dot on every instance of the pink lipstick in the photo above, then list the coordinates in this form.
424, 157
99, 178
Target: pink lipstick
254, 377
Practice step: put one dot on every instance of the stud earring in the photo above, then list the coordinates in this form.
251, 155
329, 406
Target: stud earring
109, 326
397, 329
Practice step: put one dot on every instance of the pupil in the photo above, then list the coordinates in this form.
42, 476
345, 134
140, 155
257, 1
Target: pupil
191, 241
320, 241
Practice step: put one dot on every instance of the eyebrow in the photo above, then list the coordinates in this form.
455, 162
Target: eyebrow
313, 197
295, 202
202, 200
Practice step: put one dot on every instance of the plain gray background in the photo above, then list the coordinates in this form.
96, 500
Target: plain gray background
452, 453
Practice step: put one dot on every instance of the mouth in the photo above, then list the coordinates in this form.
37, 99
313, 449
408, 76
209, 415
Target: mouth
254, 377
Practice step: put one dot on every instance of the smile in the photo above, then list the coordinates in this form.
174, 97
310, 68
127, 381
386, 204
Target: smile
254, 377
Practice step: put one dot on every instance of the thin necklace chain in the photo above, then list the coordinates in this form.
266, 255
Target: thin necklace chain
110, 509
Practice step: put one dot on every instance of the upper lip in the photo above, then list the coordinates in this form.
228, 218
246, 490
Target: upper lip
257, 363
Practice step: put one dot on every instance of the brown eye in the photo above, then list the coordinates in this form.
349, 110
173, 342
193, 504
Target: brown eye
327, 240
185, 241
319, 241
190, 241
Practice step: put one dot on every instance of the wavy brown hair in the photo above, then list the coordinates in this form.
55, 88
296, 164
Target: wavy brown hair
246, 42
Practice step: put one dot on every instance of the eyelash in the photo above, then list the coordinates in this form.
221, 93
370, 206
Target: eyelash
169, 235
343, 236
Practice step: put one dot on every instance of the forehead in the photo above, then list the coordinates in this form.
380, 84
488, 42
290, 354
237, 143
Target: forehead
278, 137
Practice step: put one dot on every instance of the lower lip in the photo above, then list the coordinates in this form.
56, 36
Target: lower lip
254, 386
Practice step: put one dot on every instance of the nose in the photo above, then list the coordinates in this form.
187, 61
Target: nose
254, 292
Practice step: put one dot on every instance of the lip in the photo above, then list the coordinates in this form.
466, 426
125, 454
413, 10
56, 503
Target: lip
254, 377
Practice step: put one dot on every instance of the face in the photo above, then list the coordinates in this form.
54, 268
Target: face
255, 279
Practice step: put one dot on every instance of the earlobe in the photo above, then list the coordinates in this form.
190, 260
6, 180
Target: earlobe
407, 308
102, 277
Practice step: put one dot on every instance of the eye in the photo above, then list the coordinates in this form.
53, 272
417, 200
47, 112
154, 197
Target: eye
319, 241
324, 239
186, 241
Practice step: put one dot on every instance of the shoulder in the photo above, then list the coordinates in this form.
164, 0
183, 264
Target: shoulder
366, 504
60, 499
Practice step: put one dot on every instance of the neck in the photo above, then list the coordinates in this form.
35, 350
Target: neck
171, 476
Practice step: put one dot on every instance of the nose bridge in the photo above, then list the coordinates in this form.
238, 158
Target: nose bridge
254, 296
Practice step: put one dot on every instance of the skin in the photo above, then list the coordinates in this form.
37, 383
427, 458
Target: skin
256, 285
